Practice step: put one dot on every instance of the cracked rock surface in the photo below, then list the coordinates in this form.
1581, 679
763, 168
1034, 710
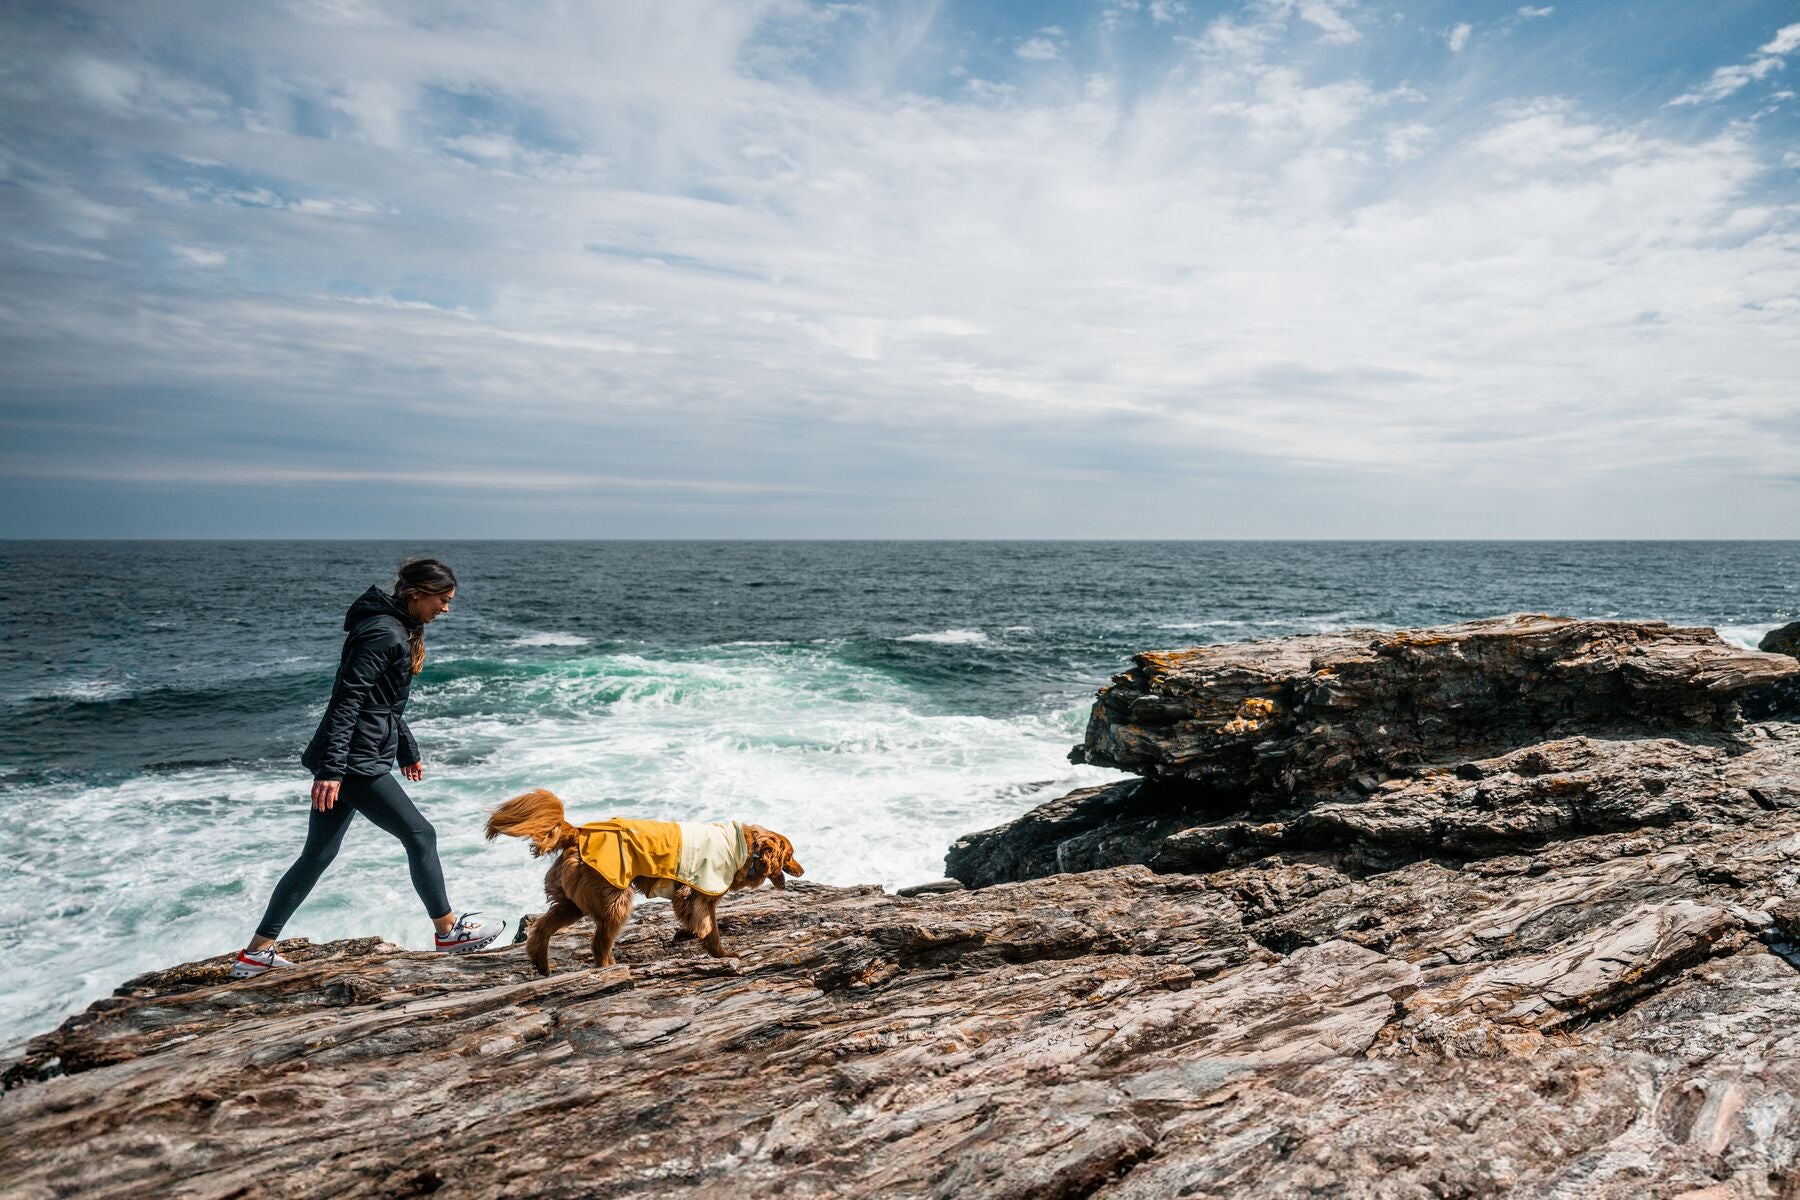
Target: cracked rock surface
1558, 989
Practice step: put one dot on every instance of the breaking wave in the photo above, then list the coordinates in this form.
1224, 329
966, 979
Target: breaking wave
948, 637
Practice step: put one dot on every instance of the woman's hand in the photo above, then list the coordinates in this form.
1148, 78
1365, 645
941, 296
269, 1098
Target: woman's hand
325, 793
414, 771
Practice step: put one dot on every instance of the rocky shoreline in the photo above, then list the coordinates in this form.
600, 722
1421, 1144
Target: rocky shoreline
1498, 909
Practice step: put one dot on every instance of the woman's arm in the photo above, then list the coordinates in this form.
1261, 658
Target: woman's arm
410, 764
370, 652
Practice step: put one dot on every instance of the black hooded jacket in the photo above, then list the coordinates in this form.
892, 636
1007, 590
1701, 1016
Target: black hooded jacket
364, 727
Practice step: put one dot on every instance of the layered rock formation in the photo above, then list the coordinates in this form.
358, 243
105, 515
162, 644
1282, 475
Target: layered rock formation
1381, 748
1592, 995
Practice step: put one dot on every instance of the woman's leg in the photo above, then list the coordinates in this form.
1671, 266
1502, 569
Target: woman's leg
324, 834
386, 804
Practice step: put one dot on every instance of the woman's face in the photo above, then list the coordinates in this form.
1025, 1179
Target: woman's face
426, 609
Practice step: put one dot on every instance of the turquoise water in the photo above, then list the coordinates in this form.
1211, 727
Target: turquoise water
872, 700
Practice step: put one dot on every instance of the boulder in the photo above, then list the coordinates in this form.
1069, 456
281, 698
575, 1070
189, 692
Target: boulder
1785, 640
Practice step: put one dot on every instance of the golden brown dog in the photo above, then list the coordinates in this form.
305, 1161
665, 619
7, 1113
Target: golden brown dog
575, 889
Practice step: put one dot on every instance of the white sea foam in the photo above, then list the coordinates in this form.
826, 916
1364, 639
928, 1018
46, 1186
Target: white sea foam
1331, 622
1746, 636
948, 637
551, 639
869, 779
87, 690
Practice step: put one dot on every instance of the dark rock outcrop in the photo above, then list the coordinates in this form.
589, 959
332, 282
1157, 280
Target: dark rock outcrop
1382, 748
1785, 640
1094, 827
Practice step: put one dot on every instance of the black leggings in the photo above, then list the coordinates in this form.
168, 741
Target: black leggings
381, 799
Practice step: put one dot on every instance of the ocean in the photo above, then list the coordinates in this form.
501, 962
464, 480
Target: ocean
871, 700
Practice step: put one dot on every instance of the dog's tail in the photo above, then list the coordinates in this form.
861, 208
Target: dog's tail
536, 816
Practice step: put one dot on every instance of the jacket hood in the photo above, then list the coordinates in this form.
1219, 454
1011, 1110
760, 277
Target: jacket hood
377, 603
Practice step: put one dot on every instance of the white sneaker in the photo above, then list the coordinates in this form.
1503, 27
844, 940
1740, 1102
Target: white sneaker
469, 934
250, 964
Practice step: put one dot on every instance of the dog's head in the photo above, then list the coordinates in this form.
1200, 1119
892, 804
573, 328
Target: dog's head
771, 857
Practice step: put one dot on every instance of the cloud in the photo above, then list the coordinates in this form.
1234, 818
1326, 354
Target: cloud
200, 256
1528, 13
1785, 41
1328, 16
1728, 80
1045, 45
780, 274
107, 84
1406, 141
1457, 36
274, 474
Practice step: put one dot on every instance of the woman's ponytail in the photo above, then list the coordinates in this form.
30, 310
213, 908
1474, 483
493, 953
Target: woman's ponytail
421, 576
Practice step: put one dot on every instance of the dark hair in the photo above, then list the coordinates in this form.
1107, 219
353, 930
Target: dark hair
421, 576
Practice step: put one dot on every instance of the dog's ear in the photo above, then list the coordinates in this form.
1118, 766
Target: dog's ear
781, 860
769, 853
785, 856
756, 859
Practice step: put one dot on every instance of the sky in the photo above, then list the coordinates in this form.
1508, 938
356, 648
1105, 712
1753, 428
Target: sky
1099, 269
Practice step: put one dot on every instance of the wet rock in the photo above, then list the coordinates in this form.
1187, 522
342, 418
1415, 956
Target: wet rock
1785, 640
1094, 827
929, 889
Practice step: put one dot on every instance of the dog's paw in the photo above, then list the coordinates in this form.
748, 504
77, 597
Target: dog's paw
683, 935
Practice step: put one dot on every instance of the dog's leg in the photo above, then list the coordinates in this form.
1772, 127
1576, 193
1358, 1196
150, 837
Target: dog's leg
698, 913
709, 917
537, 942
682, 904
615, 909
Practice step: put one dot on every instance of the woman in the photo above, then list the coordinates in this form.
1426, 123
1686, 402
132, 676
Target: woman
350, 756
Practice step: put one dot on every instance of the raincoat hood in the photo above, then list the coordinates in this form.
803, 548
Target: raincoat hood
377, 603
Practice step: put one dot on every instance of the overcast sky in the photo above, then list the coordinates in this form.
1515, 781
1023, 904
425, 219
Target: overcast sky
1136, 268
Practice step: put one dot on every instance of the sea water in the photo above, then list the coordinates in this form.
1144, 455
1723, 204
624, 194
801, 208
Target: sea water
871, 700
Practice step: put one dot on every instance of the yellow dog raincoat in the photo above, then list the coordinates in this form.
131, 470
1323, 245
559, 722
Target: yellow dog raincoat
705, 856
